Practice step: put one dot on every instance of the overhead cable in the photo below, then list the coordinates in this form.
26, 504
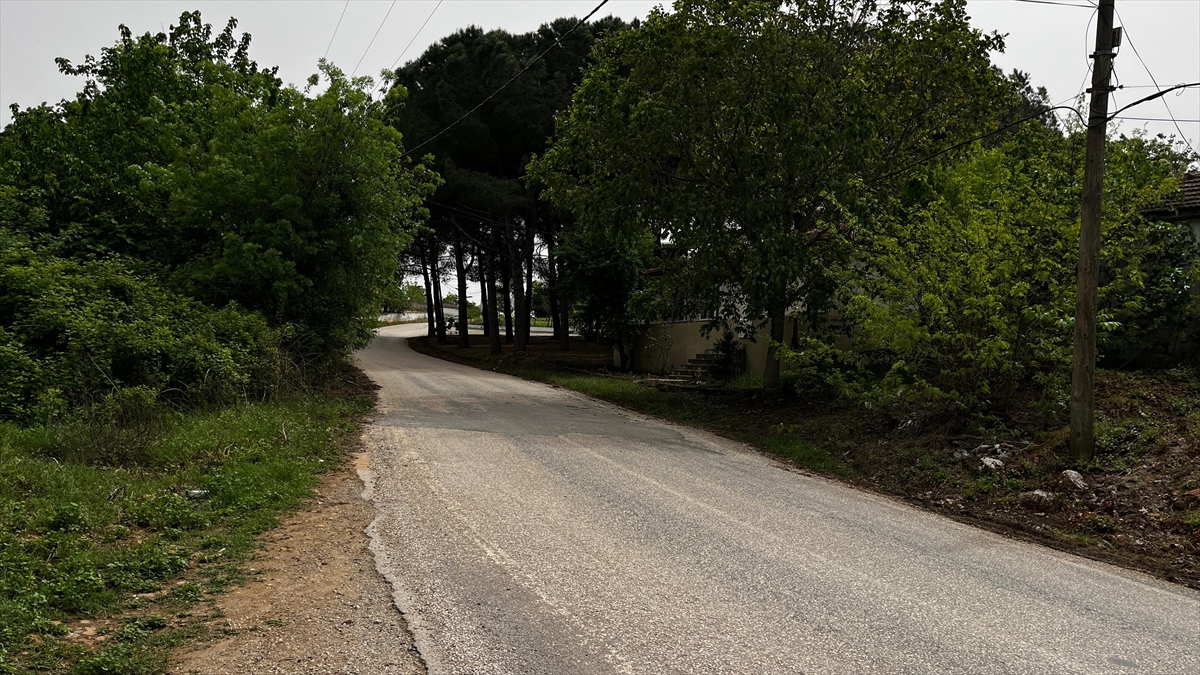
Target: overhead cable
385, 18
492, 95
1010, 125
335, 28
1159, 94
969, 141
414, 37
1170, 114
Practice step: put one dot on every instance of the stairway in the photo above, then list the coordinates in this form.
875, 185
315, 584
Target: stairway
695, 370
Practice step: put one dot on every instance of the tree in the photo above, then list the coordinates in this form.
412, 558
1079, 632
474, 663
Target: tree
965, 294
601, 275
181, 153
483, 157
748, 138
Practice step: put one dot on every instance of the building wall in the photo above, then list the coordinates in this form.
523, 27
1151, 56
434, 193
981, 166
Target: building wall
663, 346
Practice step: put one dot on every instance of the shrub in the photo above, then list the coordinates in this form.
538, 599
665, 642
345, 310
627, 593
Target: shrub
107, 338
969, 292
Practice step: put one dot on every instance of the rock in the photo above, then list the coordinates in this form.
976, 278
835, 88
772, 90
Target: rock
1073, 479
197, 494
992, 464
1039, 499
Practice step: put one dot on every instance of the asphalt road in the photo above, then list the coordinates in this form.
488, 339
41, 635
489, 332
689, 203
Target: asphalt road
528, 529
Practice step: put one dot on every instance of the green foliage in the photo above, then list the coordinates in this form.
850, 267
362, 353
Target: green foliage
78, 539
968, 295
738, 135
402, 297
599, 276
181, 153
77, 333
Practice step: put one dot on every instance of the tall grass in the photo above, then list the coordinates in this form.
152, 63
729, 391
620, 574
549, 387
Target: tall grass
78, 537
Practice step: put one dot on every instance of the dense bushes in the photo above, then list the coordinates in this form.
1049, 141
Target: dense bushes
965, 292
190, 228
76, 332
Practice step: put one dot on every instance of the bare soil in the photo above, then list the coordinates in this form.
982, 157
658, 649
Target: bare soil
1140, 507
313, 602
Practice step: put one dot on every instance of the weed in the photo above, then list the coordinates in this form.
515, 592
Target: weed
1192, 519
79, 537
1099, 523
751, 381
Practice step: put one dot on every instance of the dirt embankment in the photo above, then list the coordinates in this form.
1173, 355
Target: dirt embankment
314, 602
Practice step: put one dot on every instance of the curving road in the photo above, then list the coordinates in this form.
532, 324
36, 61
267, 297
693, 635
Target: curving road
528, 529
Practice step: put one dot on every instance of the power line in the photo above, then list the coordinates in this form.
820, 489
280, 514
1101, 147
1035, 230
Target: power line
492, 95
414, 37
1155, 119
385, 18
1159, 94
1170, 114
1053, 2
1086, 33
335, 28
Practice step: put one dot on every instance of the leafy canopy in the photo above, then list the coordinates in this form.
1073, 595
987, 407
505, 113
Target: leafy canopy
743, 135
182, 153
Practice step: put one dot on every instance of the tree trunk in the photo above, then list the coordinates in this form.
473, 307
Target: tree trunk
438, 312
778, 316
565, 332
464, 337
493, 317
520, 310
506, 285
485, 298
428, 292
552, 285
526, 322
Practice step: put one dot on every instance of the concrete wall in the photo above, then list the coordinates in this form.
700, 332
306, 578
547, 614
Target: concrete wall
663, 346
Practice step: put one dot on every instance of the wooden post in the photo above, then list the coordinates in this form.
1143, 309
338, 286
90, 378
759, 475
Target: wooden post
1083, 373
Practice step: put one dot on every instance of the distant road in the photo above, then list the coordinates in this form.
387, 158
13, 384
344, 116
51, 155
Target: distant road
528, 529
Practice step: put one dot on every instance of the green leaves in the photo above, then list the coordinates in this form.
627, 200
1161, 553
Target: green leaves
734, 133
184, 207
972, 286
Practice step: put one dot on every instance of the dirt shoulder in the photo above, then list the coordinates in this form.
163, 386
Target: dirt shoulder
1137, 505
313, 602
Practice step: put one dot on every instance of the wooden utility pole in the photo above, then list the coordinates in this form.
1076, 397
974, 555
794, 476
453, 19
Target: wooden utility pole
1083, 375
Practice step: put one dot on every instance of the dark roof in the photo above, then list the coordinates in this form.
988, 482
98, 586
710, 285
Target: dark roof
1183, 204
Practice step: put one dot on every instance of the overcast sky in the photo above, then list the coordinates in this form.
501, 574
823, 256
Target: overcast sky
1049, 41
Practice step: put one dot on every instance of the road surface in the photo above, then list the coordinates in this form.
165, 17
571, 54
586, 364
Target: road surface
528, 529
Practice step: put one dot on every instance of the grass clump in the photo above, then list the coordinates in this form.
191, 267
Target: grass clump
82, 539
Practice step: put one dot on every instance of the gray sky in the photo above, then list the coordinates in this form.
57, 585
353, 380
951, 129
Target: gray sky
1049, 41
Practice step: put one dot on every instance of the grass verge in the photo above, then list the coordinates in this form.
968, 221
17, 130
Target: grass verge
104, 569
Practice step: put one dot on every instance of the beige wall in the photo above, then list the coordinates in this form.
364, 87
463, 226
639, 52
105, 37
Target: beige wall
663, 346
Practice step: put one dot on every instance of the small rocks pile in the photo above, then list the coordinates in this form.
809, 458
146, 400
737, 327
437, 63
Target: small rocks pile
1043, 500
991, 458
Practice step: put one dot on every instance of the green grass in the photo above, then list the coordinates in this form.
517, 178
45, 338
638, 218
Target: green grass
688, 409
78, 540
799, 450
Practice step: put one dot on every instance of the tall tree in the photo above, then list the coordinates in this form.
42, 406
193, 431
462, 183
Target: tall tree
748, 136
483, 157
